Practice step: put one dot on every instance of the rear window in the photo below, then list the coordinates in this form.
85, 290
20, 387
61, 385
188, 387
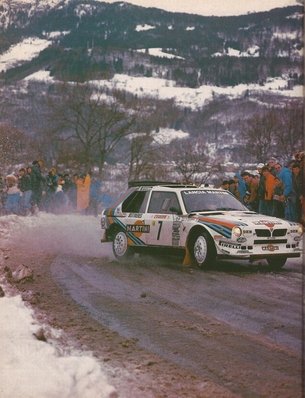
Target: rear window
136, 202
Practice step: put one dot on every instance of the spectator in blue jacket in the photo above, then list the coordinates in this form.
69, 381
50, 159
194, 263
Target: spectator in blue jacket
285, 175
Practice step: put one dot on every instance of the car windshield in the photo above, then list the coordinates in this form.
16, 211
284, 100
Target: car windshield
210, 200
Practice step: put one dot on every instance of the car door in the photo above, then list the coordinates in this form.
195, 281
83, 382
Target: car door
163, 219
133, 221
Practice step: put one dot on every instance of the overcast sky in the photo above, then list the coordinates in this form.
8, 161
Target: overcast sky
213, 7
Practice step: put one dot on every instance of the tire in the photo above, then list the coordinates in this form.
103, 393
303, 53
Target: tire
276, 262
121, 250
202, 250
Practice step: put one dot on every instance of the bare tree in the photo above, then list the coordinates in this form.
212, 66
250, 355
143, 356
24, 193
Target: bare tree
191, 161
147, 155
289, 135
146, 158
259, 134
89, 117
276, 132
15, 147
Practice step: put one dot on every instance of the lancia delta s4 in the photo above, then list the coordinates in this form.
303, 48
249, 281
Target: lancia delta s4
201, 223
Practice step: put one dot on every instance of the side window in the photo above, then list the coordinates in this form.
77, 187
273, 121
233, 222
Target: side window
162, 202
135, 203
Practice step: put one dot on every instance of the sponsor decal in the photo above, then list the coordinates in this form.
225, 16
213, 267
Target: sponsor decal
142, 228
241, 239
176, 233
160, 216
267, 223
195, 192
270, 248
135, 215
229, 245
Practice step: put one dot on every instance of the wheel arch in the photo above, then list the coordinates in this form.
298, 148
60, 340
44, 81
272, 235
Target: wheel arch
194, 232
113, 229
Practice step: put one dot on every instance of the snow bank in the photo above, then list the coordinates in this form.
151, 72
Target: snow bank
31, 368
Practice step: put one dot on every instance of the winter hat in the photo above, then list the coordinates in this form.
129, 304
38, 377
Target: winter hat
260, 166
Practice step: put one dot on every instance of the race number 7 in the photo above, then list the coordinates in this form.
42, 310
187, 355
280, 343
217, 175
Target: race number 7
159, 230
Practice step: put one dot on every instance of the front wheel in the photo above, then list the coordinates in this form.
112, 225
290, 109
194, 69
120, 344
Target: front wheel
202, 250
121, 250
276, 262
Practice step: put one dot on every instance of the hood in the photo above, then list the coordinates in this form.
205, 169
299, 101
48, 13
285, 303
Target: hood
223, 222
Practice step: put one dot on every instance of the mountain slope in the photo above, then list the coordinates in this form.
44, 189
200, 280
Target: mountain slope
102, 39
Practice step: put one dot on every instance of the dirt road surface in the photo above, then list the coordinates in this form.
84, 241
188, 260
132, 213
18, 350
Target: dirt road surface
165, 330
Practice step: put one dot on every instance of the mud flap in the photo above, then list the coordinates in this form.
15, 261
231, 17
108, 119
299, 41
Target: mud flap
187, 257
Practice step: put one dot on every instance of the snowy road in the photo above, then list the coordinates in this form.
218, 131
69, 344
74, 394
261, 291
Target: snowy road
236, 320
157, 328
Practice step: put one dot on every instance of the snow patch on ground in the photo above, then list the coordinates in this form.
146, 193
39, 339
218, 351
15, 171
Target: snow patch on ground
157, 52
24, 51
32, 368
166, 136
143, 28
193, 98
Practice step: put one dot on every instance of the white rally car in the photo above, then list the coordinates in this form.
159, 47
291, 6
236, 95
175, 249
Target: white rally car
203, 223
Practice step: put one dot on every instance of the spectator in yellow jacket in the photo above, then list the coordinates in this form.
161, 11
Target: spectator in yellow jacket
83, 193
270, 182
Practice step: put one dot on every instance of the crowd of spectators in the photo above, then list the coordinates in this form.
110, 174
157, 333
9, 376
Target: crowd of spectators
273, 189
30, 189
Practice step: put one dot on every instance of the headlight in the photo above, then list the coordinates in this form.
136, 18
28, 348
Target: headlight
300, 229
237, 232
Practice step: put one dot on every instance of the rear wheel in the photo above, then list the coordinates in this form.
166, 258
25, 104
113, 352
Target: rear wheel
276, 262
202, 250
120, 247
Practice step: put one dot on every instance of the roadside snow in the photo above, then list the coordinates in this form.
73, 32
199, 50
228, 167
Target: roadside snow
31, 368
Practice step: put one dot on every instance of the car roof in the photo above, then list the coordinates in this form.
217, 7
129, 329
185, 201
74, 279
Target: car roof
152, 183
166, 186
